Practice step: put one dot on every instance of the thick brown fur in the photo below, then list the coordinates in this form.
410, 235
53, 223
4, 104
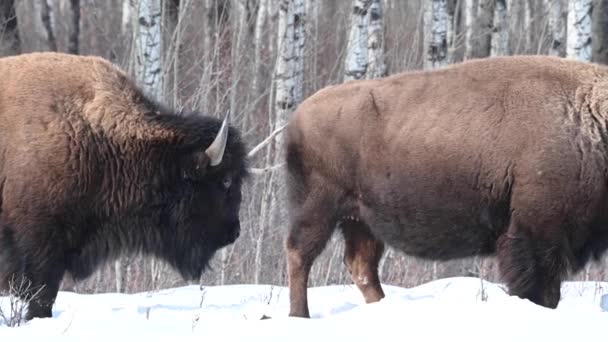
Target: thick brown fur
90, 168
503, 156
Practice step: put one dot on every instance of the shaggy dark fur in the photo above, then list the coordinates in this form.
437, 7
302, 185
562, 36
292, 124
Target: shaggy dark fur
90, 169
505, 156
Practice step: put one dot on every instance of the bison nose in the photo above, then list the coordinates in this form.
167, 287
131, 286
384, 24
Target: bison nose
236, 230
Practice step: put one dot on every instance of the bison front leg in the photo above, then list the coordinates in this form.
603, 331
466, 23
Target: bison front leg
42, 274
531, 266
43, 290
361, 256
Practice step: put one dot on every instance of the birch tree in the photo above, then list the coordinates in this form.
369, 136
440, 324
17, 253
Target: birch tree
73, 40
500, 32
435, 33
481, 35
579, 30
470, 13
557, 26
288, 80
258, 44
148, 46
375, 41
9, 30
356, 55
599, 22
46, 23
126, 14
453, 12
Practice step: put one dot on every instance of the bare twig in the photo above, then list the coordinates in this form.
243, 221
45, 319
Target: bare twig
20, 294
265, 141
261, 171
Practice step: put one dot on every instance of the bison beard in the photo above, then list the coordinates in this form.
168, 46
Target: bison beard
90, 169
504, 156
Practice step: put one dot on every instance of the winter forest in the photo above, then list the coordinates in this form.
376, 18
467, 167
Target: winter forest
258, 59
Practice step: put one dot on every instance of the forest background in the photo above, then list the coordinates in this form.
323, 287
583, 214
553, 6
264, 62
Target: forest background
259, 58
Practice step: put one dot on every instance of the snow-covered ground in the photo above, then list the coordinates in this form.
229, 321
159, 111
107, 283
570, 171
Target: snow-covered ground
454, 309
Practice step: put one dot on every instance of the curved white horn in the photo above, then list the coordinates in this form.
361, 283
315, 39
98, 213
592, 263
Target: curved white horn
215, 151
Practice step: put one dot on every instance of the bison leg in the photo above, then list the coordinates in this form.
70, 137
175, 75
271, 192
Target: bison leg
42, 275
361, 256
310, 230
32, 277
43, 290
531, 266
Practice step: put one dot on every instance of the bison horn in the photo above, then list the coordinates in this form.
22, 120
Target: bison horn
215, 151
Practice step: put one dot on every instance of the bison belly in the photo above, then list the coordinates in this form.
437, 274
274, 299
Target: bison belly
435, 215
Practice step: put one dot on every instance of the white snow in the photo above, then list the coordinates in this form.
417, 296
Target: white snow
450, 309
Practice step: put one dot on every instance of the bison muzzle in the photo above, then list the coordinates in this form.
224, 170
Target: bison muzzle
91, 168
505, 156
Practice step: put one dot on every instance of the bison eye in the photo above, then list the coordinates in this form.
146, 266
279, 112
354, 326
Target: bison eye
227, 182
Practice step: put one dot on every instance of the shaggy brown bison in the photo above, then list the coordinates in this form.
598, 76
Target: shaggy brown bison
503, 155
91, 168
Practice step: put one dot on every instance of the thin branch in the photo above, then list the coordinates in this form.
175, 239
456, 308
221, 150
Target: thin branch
265, 141
261, 171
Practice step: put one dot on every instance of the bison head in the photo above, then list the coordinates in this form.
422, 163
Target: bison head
203, 211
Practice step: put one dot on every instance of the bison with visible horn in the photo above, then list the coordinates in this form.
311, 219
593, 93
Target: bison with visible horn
505, 156
91, 168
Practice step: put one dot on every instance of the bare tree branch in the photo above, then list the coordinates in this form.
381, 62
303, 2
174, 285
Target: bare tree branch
261, 171
265, 141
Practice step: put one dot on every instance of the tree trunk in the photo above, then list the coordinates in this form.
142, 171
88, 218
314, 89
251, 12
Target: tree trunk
435, 33
600, 31
557, 26
482, 29
9, 27
453, 11
118, 275
258, 44
148, 46
356, 50
579, 30
46, 20
126, 14
75, 27
500, 33
470, 15
288, 79
375, 41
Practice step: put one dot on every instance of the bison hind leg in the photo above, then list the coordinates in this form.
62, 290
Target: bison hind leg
362, 254
532, 268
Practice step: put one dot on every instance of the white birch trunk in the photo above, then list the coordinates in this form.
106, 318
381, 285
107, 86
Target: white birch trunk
500, 35
288, 79
470, 14
258, 44
435, 33
482, 29
451, 34
312, 31
557, 26
126, 14
527, 26
375, 41
45, 23
356, 50
579, 30
290, 63
148, 45
118, 275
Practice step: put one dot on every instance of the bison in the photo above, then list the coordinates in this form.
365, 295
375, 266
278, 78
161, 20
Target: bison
90, 168
503, 156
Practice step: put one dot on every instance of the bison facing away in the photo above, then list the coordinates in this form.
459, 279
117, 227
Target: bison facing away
505, 156
91, 168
